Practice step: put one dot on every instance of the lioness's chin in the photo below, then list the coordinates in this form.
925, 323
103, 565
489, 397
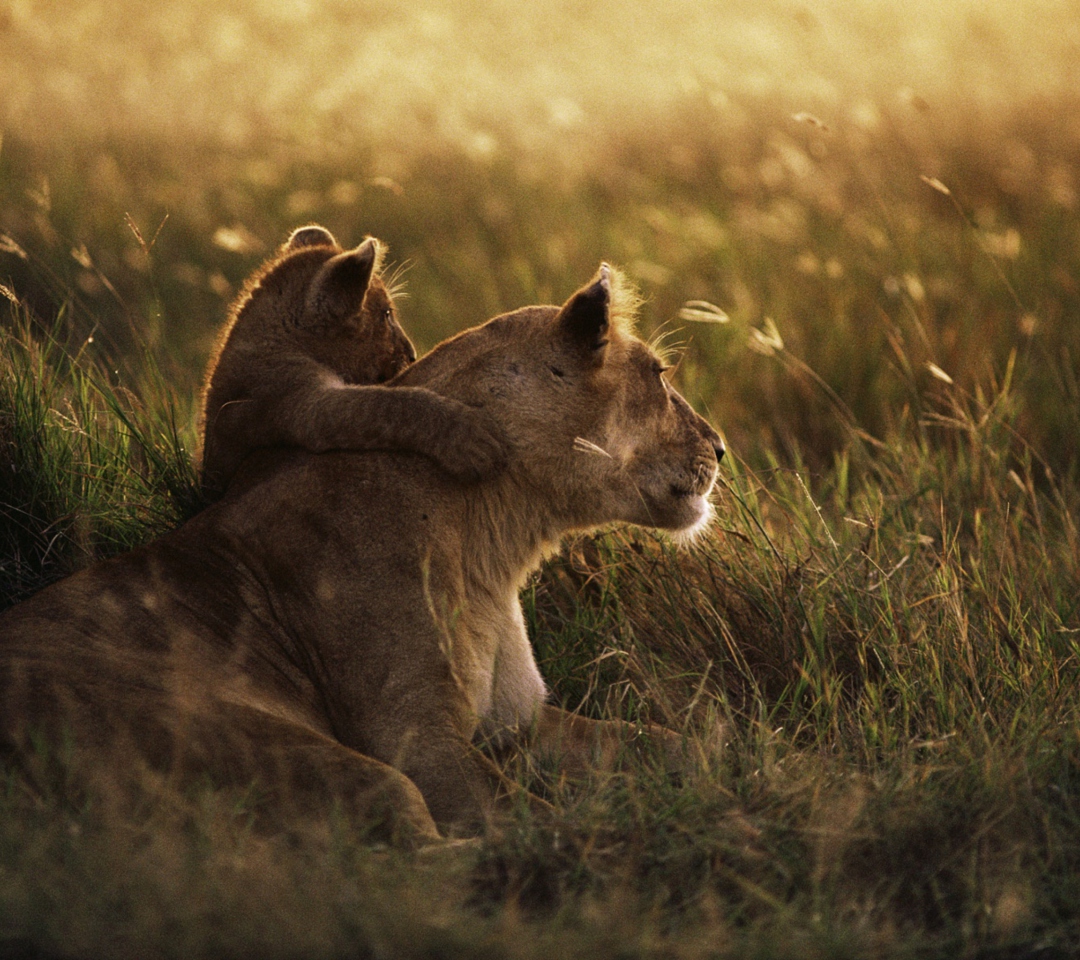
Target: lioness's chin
684, 517
702, 512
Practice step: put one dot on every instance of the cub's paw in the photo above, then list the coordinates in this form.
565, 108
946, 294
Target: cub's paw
472, 445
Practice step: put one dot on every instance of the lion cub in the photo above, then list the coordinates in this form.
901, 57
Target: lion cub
303, 365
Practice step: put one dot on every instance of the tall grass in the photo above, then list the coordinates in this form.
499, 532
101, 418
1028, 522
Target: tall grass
876, 668
86, 468
872, 278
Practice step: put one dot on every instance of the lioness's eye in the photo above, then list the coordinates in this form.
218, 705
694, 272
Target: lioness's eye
388, 315
660, 368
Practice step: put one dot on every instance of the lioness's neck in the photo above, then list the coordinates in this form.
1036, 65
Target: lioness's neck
504, 533
507, 532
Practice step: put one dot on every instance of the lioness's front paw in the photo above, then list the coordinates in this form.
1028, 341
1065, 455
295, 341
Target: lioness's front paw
671, 749
473, 445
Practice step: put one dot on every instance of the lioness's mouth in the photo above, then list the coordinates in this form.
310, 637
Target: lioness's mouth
681, 493
698, 487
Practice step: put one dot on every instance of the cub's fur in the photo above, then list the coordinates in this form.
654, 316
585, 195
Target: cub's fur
344, 626
297, 365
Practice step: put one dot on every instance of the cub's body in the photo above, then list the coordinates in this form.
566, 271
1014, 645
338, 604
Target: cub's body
303, 361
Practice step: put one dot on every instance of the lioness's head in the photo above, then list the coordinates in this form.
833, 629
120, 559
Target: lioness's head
340, 311
599, 434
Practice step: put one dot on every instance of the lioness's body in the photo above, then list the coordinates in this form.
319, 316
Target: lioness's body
345, 616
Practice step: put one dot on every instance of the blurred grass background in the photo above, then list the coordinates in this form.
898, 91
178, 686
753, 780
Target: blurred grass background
856, 227
762, 157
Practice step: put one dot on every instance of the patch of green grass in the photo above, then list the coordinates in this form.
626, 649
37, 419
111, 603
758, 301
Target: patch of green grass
86, 468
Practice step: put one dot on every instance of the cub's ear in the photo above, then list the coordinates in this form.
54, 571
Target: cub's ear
584, 318
339, 287
310, 236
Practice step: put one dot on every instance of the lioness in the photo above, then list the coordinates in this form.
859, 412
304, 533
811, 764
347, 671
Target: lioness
341, 626
299, 365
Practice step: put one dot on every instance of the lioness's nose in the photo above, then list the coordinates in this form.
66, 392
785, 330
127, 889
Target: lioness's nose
714, 440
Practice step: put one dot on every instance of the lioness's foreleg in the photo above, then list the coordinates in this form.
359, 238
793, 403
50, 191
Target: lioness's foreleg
461, 786
578, 745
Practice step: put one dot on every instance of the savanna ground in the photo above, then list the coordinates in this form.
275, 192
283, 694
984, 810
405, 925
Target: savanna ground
857, 229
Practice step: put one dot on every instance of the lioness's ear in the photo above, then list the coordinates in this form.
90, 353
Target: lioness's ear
310, 236
584, 317
339, 287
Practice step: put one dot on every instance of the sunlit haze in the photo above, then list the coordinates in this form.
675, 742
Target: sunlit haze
492, 75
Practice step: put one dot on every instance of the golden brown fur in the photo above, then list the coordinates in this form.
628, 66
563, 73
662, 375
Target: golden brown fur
344, 626
300, 362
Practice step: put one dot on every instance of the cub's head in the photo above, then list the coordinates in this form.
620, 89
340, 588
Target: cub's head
599, 434
332, 305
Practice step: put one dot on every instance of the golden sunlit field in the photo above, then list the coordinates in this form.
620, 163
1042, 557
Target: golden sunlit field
856, 224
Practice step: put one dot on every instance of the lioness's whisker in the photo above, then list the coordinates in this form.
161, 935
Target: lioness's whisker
587, 446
